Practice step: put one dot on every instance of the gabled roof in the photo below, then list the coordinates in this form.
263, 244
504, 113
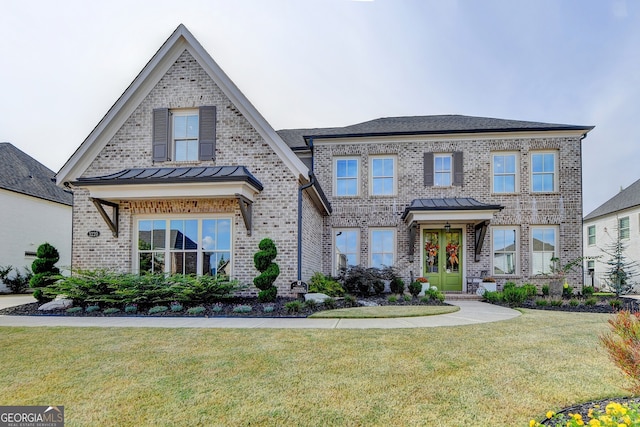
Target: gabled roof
23, 174
424, 125
625, 199
155, 69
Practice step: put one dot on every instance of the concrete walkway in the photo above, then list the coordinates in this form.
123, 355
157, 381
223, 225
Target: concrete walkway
470, 313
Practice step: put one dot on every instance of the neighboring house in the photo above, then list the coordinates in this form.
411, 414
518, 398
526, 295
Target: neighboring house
33, 211
620, 214
183, 174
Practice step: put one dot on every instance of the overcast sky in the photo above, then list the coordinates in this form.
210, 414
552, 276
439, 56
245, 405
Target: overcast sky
306, 63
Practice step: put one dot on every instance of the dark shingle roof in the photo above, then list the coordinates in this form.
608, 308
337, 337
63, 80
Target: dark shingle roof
174, 175
422, 125
23, 174
625, 199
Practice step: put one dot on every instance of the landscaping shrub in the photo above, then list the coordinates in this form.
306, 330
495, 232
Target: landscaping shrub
415, 288
92, 308
268, 309
434, 294
293, 306
615, 304
269, 270
330, 303
567, 291
591, 301
196, 310
111, 310
176, 307
623, 345
103, 287
574, 302
44, 270
556, 302
350, 301
319, 283
358, 280
73, 309
392, 298
4, 272
43, 267
494, 297
531, 290
542, 302
545, 290
397, 285
158, 309
242, 309
588, 291
311, 304
216, 308
131, 308
19, 283
513, 295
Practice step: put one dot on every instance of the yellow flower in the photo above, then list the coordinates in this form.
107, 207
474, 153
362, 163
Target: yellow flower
550, 414
532, 423
627, 420
590, 413
595, 423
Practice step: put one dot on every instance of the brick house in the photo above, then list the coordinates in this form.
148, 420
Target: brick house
183, 174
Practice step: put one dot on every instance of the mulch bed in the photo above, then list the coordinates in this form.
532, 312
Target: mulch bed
226, 308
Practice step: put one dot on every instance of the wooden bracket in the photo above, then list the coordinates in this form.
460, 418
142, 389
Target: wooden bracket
112, 221
246, 209
480, 232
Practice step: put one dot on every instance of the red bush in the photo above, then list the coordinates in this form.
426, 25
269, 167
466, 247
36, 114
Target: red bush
623, 345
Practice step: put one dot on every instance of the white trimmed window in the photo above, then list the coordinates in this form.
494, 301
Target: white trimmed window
442, 170
591, 235
544, 243
200, 246
347, 248
184, 132
505, 172
382, 247
623, 227
505, 250
383, 175
544, 172
347, 171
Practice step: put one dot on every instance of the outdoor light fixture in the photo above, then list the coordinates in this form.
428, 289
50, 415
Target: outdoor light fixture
447, 227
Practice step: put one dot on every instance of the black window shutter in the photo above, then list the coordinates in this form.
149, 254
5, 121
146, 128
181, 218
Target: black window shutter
207, 133
428, 169
458, 172
160, 138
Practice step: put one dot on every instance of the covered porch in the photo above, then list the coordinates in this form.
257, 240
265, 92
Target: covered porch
450, 233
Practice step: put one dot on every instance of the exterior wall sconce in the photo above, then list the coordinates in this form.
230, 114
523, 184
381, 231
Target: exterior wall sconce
447, 227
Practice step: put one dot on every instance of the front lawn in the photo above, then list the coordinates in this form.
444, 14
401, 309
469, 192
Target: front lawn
494, 374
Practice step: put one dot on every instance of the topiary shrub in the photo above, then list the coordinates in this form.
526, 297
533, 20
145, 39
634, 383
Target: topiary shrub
415, 288
44, 269
397, 285
263, 260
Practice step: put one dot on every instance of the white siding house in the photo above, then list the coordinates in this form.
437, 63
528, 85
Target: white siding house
33, 210
620, 214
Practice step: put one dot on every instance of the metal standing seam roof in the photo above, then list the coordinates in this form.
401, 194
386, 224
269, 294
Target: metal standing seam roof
625, 199
174, 176
425, 125
22, 174
448, 204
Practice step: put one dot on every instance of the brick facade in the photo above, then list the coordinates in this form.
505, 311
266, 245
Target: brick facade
523, 209
187, 85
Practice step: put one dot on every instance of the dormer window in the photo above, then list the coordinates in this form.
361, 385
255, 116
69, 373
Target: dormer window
183, 135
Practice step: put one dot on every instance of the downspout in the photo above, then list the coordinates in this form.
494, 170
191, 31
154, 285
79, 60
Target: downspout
312, 181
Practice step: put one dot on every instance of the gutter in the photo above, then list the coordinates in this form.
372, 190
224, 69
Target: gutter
312, 181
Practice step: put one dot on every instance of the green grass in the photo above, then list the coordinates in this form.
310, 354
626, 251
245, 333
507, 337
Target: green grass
386, 311
494, 374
